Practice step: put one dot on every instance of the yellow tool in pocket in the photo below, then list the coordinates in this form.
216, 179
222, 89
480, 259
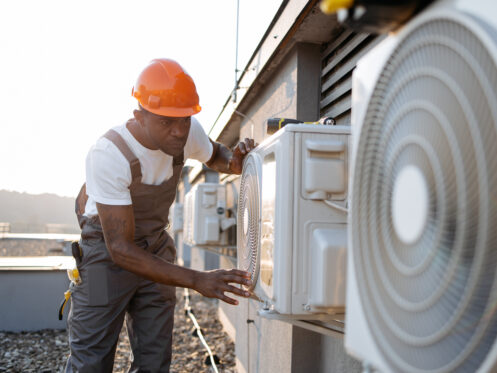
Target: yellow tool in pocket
75, 279
73, 275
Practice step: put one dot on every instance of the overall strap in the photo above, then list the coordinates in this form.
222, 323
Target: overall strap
134, 163
178, 160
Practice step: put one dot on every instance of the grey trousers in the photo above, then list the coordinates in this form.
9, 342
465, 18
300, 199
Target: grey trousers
107, 296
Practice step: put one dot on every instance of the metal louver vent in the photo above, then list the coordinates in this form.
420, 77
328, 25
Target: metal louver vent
429, 281
249, 218
339, 59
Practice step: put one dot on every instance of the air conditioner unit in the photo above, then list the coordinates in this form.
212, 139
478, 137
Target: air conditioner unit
205, 221
291, 231
421, 279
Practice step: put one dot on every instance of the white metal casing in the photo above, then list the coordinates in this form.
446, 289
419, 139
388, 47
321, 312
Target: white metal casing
359, 340
177, 218
204, 210
301, 266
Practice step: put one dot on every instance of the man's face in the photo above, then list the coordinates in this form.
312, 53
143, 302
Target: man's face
168, 134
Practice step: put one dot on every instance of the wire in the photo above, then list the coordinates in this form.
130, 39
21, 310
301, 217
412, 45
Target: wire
188, 310
335, 206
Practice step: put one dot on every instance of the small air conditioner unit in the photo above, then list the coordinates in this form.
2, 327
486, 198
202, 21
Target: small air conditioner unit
205, 222
291, 231
421, 279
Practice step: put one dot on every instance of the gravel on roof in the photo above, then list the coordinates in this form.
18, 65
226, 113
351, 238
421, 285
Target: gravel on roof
47, 350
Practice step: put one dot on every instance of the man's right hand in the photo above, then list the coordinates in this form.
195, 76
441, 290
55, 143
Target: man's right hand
214, 284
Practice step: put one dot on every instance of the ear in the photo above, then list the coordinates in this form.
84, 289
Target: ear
138, 114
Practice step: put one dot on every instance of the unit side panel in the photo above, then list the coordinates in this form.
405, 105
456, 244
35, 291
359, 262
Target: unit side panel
307, 211
285, 166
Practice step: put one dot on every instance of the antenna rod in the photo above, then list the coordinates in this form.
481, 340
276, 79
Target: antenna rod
236, 49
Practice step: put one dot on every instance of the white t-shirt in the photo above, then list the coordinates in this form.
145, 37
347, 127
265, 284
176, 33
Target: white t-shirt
108, 174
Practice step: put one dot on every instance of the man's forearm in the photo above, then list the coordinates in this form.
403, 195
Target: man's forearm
118, 224
211, 284
152, 267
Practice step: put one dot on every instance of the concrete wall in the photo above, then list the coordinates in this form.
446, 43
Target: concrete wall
278, 99
314, 352
30, 299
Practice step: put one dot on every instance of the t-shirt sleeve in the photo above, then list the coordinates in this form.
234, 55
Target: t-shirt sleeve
198, 145
108, 174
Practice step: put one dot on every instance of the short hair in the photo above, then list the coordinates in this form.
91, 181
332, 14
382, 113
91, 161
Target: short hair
146, 112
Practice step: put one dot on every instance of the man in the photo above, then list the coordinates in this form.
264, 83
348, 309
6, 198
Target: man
127, 256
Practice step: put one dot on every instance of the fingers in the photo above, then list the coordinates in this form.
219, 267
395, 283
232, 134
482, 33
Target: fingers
242, 147
249, 144
233, 290
237, 276
238, 272
217, 282
237, 279
228, 300
237, 291
245, 146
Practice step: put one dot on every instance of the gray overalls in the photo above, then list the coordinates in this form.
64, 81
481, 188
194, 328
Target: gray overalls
108, 292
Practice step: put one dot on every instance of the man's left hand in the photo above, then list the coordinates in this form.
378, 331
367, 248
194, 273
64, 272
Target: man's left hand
239, 153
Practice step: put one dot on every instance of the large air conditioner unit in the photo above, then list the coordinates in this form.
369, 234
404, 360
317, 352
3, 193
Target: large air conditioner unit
422, 279
291, 231
205, 222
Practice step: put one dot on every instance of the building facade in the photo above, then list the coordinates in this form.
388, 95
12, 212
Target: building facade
301, 69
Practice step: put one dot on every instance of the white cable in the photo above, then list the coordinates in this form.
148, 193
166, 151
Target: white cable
337, 207
199, 332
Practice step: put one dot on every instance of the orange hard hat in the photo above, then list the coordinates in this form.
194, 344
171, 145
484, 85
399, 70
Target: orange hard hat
164, 88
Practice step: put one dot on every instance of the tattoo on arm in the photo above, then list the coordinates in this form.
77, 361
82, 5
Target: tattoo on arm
118, 223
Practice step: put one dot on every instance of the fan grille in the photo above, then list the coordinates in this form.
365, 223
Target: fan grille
249, 219
431, 303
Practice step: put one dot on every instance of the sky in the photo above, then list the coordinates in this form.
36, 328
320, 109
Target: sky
67, 69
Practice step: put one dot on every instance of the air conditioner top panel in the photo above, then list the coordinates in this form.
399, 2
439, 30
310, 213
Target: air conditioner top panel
317, 128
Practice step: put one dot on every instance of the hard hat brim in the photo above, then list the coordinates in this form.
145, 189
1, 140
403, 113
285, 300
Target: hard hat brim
173, 112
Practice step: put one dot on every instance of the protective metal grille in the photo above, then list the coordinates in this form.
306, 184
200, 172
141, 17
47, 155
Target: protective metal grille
249, 218
431, 303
